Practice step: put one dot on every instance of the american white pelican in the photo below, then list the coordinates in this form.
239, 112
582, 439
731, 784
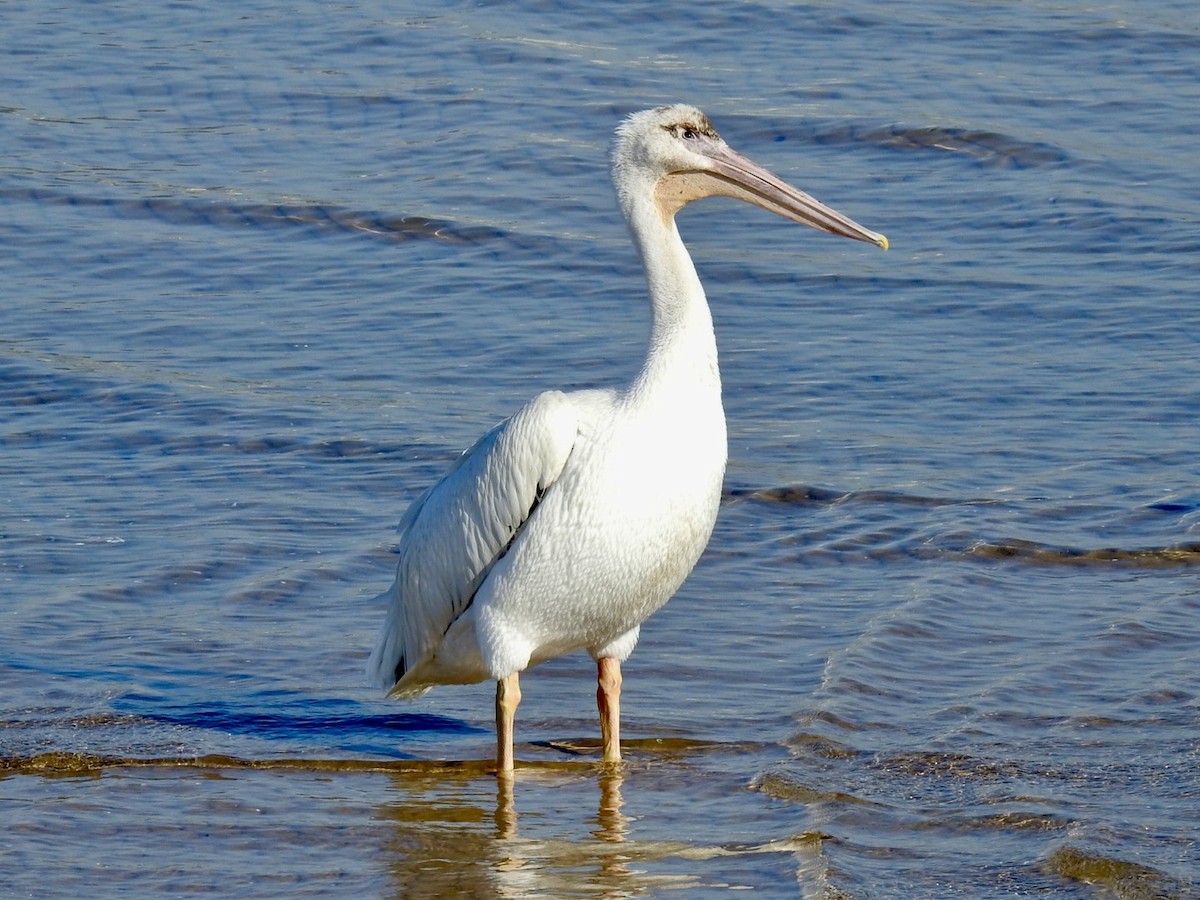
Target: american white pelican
567, 525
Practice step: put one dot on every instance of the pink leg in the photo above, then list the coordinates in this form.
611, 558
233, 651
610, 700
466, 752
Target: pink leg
608, 699
508, 697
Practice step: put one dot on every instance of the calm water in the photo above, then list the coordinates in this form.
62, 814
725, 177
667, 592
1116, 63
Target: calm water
266, 271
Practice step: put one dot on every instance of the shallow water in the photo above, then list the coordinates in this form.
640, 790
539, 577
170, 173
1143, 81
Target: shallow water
267, 272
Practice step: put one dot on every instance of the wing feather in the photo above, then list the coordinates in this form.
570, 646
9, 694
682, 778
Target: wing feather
455, 532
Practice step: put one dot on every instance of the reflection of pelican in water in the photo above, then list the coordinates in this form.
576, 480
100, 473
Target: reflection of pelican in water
610, 862
611, 823
567, 525
457, 831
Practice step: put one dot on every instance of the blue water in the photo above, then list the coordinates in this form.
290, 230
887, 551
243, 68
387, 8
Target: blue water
267, 271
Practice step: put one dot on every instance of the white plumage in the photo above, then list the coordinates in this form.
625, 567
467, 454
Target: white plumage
567, 525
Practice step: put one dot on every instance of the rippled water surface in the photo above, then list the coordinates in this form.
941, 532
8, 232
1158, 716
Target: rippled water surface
267, 270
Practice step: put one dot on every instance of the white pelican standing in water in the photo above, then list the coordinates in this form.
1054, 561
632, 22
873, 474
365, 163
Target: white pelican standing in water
567, 525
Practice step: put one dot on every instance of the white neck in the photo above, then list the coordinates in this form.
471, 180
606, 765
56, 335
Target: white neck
683, 349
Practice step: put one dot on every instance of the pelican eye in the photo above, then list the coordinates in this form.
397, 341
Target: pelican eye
689, 132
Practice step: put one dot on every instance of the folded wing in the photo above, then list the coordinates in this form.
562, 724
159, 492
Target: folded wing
456, 531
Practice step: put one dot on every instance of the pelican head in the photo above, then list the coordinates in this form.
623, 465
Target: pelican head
674, 155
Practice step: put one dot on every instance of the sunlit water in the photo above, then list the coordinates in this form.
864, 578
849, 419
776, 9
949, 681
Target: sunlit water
266, 271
